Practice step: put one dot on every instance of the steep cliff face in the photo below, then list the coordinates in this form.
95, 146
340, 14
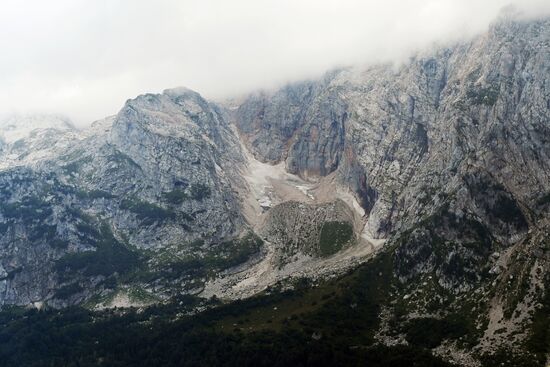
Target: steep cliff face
439, 124
301, 124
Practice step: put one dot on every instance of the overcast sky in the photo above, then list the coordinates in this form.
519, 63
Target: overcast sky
83, 59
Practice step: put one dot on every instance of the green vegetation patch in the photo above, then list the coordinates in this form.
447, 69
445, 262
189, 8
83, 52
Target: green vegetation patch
483, 96
504, 357
508, 211
123, 159
235, 252
544, 200
343, 310
430, 332
200, 191
78, 337
329, 325
137, 294
109, 257
176, 196
68, 290
29, 210
538, 342
197, 192
33, 213
204, 263
147, 213
432, 240
493, 197
94, 194
76, 165
334, 236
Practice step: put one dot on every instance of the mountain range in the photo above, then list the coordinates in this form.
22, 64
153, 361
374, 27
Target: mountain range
435, 172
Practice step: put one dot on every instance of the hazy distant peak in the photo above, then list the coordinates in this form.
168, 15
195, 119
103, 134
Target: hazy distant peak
179, 92
15, 127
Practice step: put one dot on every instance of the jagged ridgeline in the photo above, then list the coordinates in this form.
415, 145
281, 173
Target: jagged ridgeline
380, 216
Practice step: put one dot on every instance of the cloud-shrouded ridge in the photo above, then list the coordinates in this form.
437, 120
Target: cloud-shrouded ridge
85, 58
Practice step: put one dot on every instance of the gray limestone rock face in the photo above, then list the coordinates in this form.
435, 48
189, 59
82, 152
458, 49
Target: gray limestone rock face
302, 124
404, 137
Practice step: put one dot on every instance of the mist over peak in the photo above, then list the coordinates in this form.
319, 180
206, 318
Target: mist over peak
84, 59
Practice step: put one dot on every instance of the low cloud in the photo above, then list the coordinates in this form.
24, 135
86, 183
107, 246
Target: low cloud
85, 58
